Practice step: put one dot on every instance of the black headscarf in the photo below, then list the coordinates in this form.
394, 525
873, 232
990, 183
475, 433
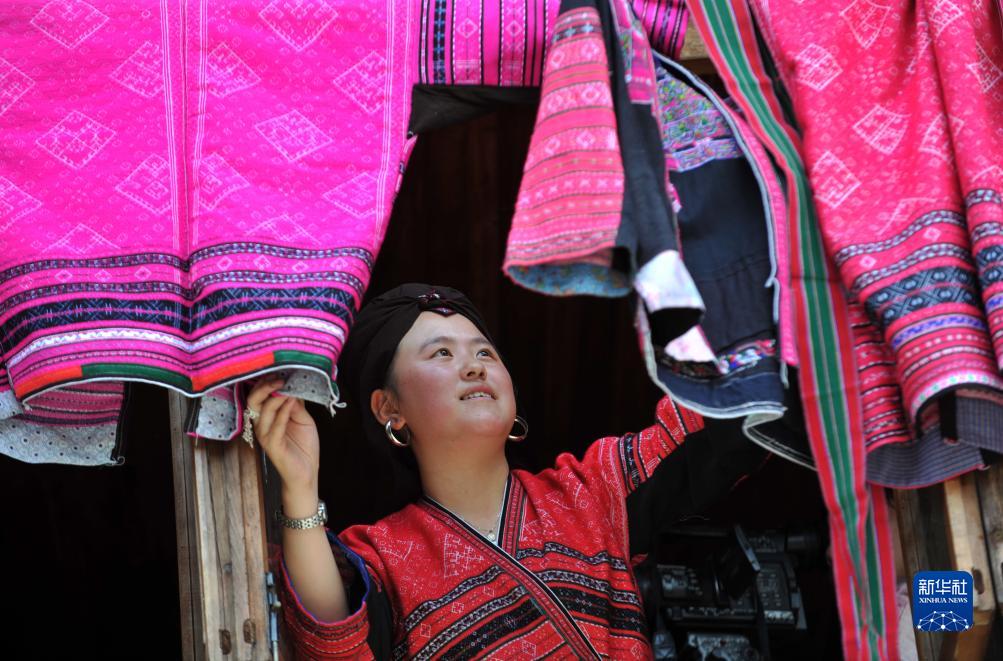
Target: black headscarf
379, 328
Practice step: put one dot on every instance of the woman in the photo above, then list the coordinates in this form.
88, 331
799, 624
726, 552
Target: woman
489, 561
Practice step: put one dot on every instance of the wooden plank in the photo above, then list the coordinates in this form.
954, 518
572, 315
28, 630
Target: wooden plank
693, 45
186, 528
990, 486
228, 552
966, 540
914, 535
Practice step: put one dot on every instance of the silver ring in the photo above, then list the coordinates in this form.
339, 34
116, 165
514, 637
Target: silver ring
250, 415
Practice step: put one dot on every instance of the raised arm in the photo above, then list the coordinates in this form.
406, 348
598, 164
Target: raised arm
288, 435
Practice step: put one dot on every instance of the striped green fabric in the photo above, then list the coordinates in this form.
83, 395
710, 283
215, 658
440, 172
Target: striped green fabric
861, 544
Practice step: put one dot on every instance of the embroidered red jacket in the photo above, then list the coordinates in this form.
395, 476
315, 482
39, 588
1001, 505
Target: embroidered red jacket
559, 582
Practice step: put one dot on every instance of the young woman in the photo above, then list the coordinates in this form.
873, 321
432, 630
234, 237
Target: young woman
489, 561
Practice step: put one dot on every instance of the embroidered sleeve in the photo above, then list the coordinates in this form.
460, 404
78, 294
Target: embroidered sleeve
350, 638
630, 460
620, 473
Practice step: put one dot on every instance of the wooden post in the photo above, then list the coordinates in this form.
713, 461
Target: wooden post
222, 559
990, 486
941, 528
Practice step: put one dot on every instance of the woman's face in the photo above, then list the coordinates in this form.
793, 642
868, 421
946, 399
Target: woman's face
450, 384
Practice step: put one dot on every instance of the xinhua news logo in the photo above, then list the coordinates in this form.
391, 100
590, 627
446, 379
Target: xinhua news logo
943, 601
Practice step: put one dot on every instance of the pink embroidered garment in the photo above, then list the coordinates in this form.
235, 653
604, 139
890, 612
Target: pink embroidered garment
901, 106
194, 193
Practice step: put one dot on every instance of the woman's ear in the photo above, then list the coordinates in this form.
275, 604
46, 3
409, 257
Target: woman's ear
383, 403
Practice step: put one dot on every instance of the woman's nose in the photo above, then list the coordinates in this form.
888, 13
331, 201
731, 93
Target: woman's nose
474, 369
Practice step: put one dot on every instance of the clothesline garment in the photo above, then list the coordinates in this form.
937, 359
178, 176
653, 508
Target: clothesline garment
830, 385
732, 221
588, 154
193, 194
593, 215
558, 580
883, 92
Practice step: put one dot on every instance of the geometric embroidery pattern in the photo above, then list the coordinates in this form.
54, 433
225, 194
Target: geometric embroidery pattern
817, 67
832, 180
14, 203
13, 85
76, 139
83, 240
217, 179
881, 129
69, 21
987, 71
226, 73
142, 71
936, 286
937, 137
357, 196
298, 22
942, 14
148, 185
865, 18
283, 228
364, 82
293, 135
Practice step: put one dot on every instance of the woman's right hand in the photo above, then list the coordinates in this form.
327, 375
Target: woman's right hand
288, 434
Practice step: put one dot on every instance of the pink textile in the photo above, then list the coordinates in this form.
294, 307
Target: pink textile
192, 193
884, 91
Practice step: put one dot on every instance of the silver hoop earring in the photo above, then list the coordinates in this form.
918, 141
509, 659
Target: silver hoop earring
518, 438
393, 439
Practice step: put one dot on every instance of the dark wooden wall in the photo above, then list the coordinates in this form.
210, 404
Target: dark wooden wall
89, 553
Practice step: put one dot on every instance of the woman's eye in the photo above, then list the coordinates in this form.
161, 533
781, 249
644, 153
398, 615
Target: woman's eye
485, 352
442, 352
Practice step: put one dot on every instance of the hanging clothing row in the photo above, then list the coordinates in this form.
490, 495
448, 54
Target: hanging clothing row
196, 196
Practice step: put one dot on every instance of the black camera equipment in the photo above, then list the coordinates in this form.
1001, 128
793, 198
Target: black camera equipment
725, 592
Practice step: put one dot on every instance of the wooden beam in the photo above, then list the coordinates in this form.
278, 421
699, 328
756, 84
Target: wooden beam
941, 528
189, 576
968, 550
990, 486
222, 526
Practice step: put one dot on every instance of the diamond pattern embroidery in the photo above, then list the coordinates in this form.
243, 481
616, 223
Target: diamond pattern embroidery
142, 71
357, 196
943, 14
76, 139
865, 18
13, 85
364, 82
937, 139
14, 203
83, 240
832, 180
282, 227
987, 72
881, 129
298, 22
817, 67
148, 186
226, 73
69, 21
293, 135
217, 180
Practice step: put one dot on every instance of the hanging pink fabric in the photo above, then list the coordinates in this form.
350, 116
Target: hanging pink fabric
901, 105
192, 193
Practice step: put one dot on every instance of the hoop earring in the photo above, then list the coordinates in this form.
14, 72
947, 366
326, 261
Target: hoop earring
393, 439
518, 438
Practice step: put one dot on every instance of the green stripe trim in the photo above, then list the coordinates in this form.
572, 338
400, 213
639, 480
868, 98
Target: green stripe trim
138, 372
303, 358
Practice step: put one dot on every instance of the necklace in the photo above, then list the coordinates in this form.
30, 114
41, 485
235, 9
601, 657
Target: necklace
489, 533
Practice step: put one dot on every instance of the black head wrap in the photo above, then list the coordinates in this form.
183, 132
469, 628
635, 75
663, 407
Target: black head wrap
379, 328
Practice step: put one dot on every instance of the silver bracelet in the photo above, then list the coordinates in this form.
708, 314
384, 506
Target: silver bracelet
318, 519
